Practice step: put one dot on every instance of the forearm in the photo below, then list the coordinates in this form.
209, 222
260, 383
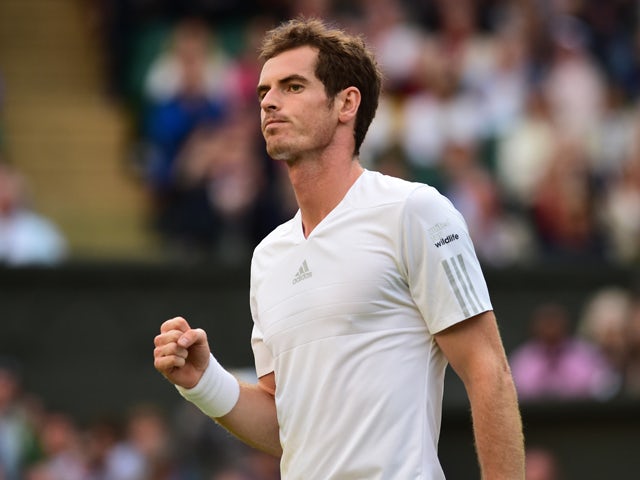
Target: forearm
475, 351
497, 426
253, 419
247, 411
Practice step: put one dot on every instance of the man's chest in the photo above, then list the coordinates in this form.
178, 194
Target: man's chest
340, 281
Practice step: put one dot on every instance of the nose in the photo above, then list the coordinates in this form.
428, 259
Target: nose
269, 101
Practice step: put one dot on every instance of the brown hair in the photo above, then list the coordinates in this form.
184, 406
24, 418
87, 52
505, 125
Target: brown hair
343, 61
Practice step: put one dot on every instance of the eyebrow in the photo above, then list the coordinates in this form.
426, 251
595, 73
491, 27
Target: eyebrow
262, 89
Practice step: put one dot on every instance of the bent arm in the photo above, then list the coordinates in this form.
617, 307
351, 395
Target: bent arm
475, 351
182, 355
253, 419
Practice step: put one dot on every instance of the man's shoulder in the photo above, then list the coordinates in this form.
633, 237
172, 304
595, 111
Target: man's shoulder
378, 189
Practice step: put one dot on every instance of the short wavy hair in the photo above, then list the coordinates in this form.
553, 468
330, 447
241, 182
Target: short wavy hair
344, 60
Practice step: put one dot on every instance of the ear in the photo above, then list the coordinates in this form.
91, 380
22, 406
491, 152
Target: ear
348, 102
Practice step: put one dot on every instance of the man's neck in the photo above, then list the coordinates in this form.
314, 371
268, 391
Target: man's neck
320, 186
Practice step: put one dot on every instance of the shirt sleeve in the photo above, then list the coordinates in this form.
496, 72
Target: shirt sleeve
442, 268
263, 359
261, 354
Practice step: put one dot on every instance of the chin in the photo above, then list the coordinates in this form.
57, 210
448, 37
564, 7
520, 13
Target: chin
281, 154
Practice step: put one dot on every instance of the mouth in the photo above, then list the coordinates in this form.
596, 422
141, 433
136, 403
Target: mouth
271, 122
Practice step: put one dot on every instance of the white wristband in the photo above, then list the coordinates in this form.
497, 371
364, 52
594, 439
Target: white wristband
216, 393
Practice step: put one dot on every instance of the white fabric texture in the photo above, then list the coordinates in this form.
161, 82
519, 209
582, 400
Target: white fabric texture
346, 317
216, 393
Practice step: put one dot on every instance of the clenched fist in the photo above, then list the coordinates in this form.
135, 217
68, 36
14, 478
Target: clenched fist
181, 353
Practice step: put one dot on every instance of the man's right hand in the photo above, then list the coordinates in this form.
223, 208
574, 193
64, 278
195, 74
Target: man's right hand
181, 353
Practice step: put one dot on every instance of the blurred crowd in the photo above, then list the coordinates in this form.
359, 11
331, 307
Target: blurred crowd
38, 442
595, 356
526, 113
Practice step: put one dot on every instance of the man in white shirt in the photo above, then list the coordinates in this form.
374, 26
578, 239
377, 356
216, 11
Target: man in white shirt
358, 302
27, 238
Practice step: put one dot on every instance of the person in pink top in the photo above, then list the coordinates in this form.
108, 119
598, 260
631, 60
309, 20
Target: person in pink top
554, 364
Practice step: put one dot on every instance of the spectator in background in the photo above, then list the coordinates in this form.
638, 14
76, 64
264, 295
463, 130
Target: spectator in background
622, 204
611, 320
525, 151
26, 237
631, 380
183, 102
603, 322
574, 85
395, 38
147, 444
109, 455
615, 41
202, 448
210, 182
17, 434
554, 364
243, 70
194, 62
503, 80
541, 464
617, 138
226, 174
61, 451
564, 205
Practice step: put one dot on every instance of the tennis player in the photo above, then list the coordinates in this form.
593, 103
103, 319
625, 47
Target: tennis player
359, 302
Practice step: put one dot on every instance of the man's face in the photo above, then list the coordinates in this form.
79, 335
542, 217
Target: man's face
297, 118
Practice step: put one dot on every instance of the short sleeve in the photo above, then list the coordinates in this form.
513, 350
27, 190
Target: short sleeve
443, 272
261, 354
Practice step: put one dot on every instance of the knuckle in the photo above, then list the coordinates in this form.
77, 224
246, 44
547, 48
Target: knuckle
158, 363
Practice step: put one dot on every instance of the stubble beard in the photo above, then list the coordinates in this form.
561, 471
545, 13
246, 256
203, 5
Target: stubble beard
292, 150
281, 150
279, 153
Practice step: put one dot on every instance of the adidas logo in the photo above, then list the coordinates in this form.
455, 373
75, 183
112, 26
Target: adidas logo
302, 274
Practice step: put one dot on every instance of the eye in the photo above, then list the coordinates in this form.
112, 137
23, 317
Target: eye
295, 87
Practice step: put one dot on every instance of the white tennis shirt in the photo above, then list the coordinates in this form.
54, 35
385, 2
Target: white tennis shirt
346, 317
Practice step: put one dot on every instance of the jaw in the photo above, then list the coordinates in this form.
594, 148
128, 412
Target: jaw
277, 148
